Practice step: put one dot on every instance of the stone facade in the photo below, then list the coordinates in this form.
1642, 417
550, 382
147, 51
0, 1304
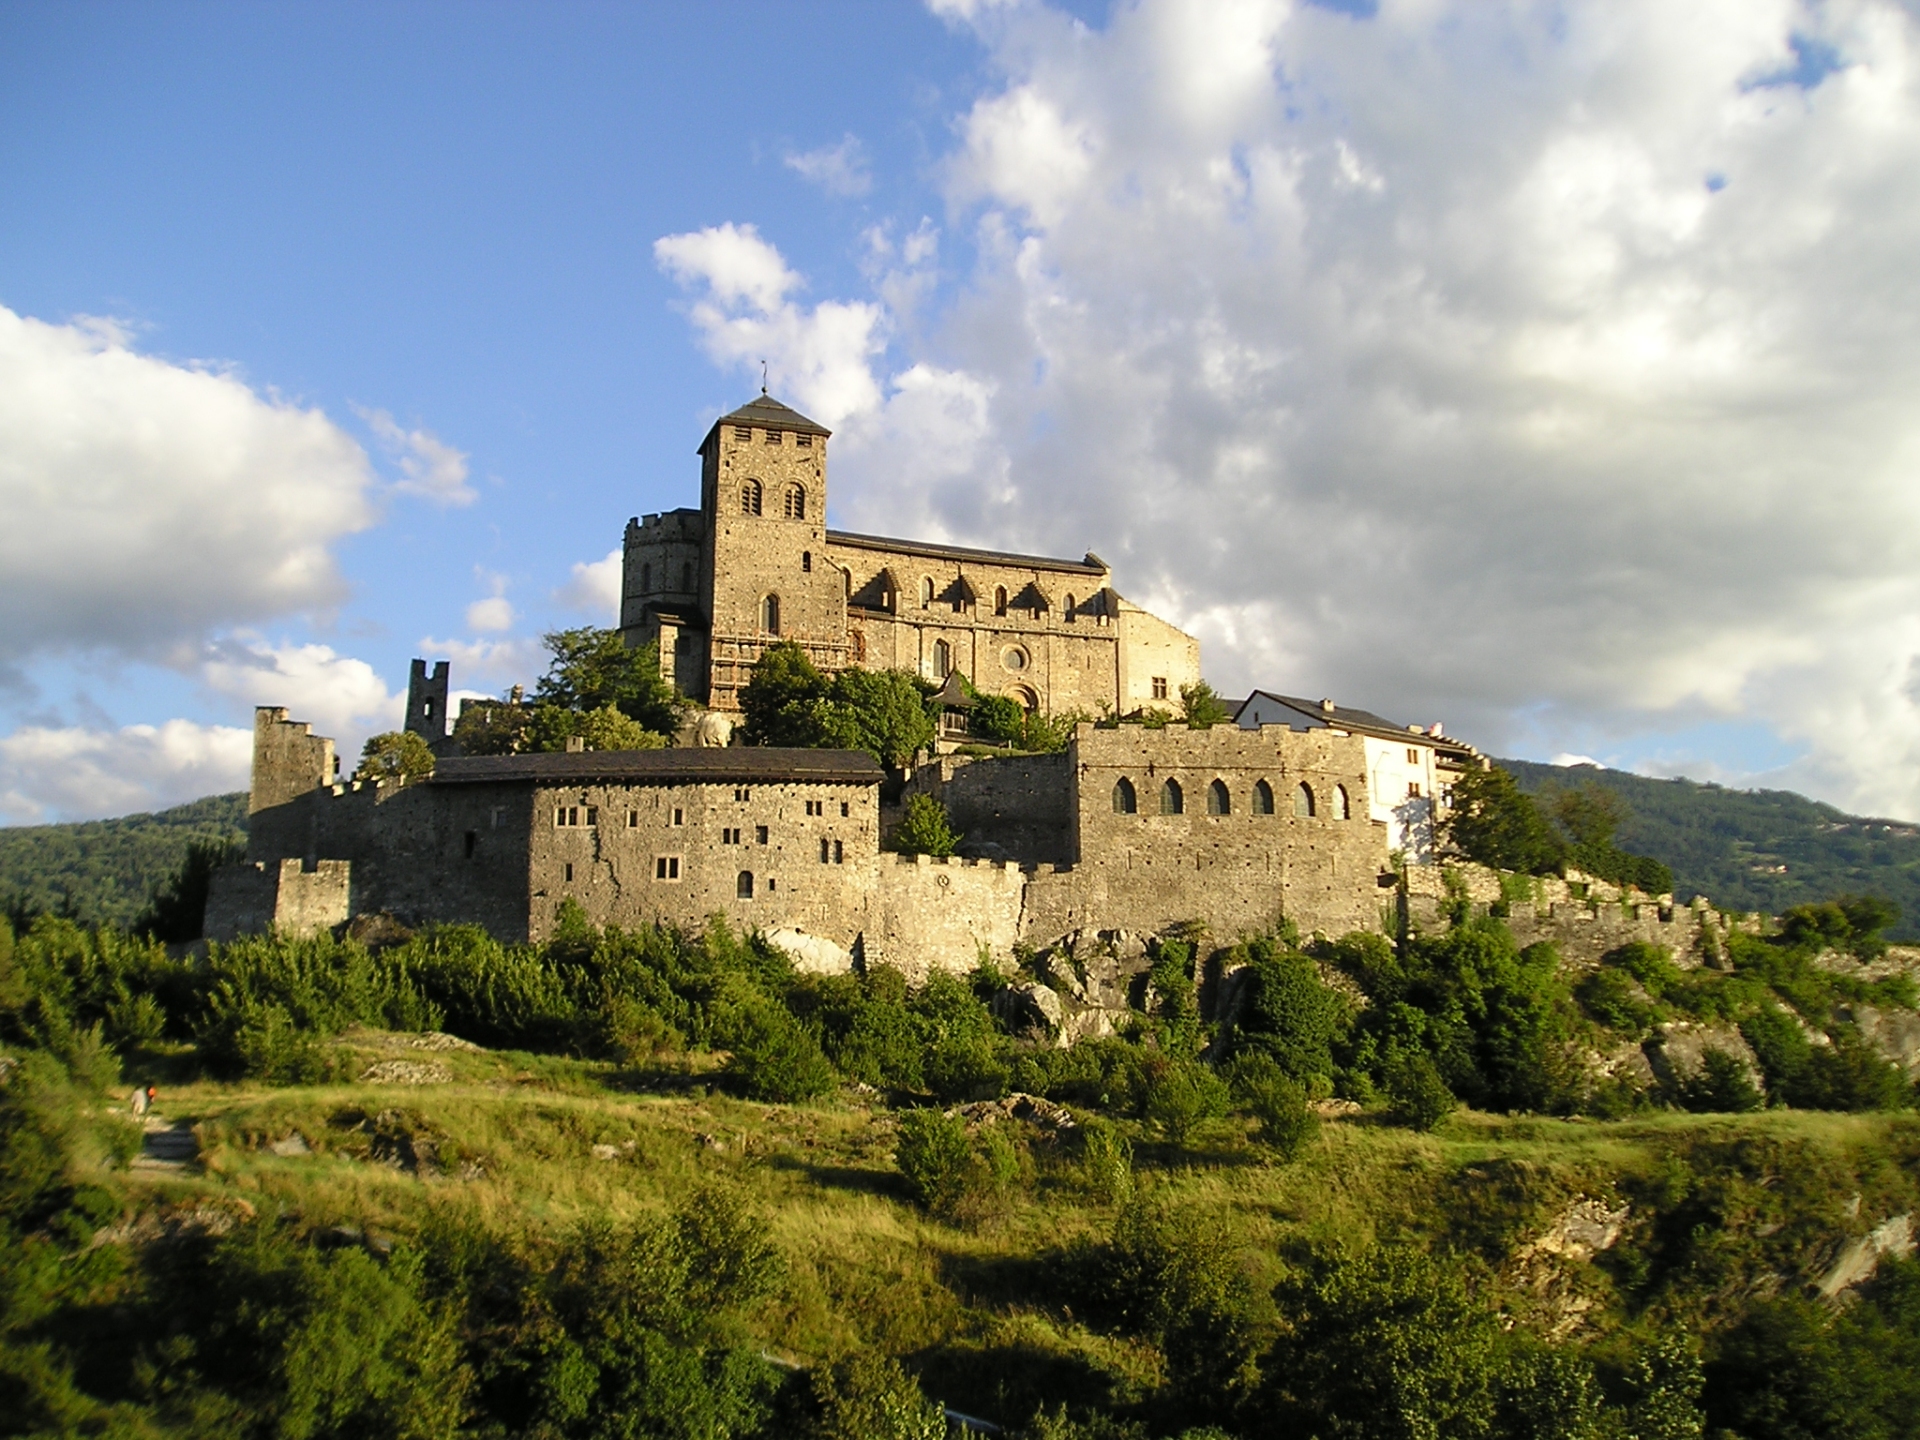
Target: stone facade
755, 564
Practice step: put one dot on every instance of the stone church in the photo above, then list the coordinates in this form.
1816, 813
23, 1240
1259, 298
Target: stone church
756, 565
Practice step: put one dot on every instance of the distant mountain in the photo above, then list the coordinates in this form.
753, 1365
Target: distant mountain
1753, 849
104, 870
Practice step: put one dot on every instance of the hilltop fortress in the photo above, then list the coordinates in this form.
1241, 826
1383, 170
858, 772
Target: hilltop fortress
1304, 810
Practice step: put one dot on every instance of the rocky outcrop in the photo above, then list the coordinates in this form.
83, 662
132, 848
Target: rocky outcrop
1894, 1033
1679, 1052
1856, 1263
811, 954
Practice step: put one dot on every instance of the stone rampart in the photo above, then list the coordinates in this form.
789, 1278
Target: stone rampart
1019, 807
932, 914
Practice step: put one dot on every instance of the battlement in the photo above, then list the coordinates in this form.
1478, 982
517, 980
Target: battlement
289, 760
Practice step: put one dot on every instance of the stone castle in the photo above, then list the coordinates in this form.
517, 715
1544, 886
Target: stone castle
755, 564
1298, 809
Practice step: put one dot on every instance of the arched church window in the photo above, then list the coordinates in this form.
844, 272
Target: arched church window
1219, 801
926, 594
770, 614
1303, 801
1262, 798
796, 504
1069, 607
750, 498
942, 659
1342, 808
1124, 801
1172, 800
999, 599
743, 885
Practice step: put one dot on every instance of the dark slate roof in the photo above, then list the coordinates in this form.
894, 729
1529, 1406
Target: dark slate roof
769, 414
735, 764
1315, 715
1092, 565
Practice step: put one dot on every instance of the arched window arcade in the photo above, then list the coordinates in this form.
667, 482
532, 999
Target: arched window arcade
750, 498
1342, 807
1262, 798
1172, 800
1124, 800
1219, 800
795, 506
1303, 801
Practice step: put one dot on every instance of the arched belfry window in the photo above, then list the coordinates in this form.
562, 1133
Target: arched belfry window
770, 614
942, 659
999, 599
1067, 609
1219, 801
1262, 798
750, 498
796, 503
1342, 808
743, 886
1172, 801
926, 594
1124, 800
1303, 801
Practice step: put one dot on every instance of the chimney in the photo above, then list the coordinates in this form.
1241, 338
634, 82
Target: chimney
576, 744
1326, 707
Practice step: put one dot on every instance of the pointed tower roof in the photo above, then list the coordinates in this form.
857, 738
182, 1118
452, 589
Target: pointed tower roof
768, 414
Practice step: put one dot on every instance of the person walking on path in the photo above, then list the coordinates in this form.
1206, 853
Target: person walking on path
142, 1098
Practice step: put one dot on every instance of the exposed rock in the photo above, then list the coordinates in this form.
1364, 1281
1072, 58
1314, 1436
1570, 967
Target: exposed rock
1679, 1051
606, 1152
1030, 1009
1017, 1106
292, 1145
1584, 1229
1546, 1266
1860, 1259
1335, 1109
1096, 1022
811, 954
1627, 1060
1894, 1033
435, 1040
405, 1072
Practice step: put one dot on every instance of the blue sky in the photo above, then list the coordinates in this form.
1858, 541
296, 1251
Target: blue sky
1540, 370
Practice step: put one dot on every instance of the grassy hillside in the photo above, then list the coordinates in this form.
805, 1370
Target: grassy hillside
102, 871
1754, 849
646, 1184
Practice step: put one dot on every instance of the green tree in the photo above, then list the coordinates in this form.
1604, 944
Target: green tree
869, 1397
397, 755
925, 829
1493, 823
177, 911
1200, 707
551, 727
936, 1158
883, 712
592, 668
493, 727
1419, 1096
783, 699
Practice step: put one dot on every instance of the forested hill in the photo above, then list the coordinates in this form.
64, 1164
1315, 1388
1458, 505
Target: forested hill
1754, 849
104, 870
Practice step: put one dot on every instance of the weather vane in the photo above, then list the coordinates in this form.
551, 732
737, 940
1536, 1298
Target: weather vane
763, 377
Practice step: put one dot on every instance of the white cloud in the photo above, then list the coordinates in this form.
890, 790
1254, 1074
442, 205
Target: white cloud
1566, 760
594, 588
341, 696
837, 169
146, 502
510, 660
818, 356
493, 613
49, 775
432, 469
1533, 369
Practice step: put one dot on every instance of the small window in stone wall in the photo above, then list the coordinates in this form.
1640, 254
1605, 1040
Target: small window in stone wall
473, 842
569, 872
1303, 801
846, 809
1262, 798
759, 834
803, 442
839, 853
633, 819
1124, 801
773, 437
743, 434
1159, 687
806, 562
826, 850
1172, 800
570, 817
1342, 807
926, 594
1219, 801
730, 835
750, 498
1067, 609
679, 816
666, 867
743, 885
999, 599
796, 502
770, 614
740, 794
